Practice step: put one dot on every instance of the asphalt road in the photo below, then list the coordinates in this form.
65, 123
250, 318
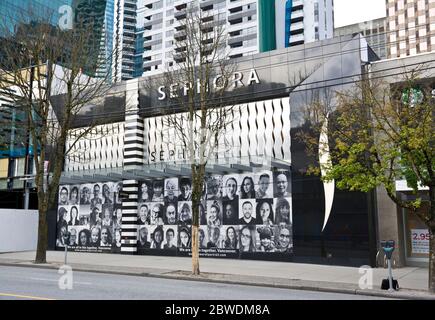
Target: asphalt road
36, 284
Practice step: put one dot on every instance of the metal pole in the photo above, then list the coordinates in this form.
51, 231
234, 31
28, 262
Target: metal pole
390, 276
66, 252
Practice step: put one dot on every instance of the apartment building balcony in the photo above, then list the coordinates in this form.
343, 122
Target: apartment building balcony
296, 26
151, 22
207, 3
151, 63
297, 14
241, 38
241, 14
297, 39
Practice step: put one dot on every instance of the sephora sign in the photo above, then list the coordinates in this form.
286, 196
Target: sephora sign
238, 80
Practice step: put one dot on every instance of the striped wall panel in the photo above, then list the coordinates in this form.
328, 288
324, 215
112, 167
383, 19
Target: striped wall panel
101, 148
129, 217
259, 128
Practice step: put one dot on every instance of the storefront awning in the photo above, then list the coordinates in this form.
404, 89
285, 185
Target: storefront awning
173, 169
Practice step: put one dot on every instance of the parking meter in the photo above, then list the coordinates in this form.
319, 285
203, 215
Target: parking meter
388, 247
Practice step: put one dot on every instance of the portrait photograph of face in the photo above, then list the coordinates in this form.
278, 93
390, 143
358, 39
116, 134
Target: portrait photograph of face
156, 213
143, 215
171, 215
185, 212
283, 238
214, 213
157, 237
282, 184
185, 193
73, 235
158, 185
247, 214
247, 187
230, 212
171, 236
229, 237
64, 195
171, 189
74, 195
264, 185
145, 191
202, 237
85, 194
143, 238
283, 210
265, 211
231, 187
106, 236
214, 187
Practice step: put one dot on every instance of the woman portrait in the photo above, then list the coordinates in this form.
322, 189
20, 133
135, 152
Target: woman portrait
214, 215
184, 238
62, 236
201, 237
106, 194
185, 213
156, 214
117, 238
74, 196
85, 197
106, 237
95, 236
157, 238
61, 221
84, 238
247, 239
145, 192
264, 212
282, 211
73, 216
107, 216
247, 190
214, 234
231, 240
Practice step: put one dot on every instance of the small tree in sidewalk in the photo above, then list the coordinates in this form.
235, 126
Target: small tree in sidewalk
378, 134
39, 61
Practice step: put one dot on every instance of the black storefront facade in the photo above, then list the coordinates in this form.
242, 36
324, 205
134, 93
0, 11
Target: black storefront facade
326, 227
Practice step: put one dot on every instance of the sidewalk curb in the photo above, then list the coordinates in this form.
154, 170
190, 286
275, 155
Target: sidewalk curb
402, 294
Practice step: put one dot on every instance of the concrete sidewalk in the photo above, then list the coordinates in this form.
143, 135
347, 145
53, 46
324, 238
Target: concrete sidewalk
412, 281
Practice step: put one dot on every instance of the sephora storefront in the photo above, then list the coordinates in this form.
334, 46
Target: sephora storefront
127, 190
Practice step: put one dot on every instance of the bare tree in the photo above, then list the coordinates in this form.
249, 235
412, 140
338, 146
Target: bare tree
195, 87
40, 61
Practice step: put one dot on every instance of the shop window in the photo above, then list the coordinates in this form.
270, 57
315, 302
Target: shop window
416, 233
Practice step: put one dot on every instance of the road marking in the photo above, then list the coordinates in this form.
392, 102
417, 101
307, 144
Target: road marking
54, 280
24, 297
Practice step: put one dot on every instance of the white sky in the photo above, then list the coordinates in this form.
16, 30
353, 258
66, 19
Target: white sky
354, 11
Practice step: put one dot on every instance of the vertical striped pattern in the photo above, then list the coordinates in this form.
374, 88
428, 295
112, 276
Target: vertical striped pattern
133, 157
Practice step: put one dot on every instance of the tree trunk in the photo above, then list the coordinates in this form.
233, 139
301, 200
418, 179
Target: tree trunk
195, 250
41, 250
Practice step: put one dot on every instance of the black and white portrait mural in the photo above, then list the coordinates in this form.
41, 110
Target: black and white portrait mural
240, 215
89, 217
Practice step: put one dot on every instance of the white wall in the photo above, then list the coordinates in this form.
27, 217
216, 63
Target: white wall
18, 230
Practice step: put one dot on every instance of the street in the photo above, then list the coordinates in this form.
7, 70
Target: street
42, 284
